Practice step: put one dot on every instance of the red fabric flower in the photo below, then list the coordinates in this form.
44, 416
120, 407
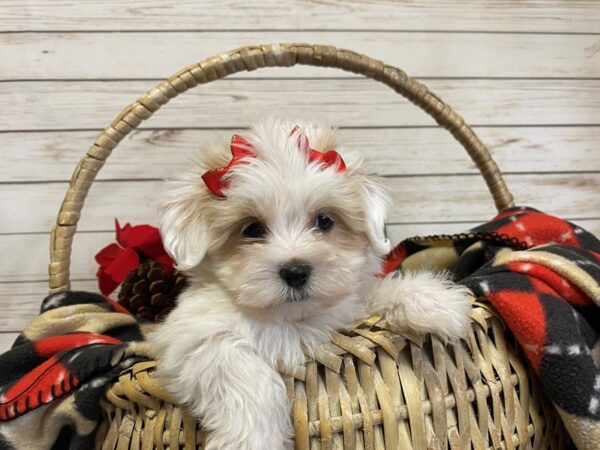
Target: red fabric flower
118, 259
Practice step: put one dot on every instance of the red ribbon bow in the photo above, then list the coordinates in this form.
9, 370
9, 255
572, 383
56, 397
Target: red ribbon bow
118, 259
327, 159
241, 148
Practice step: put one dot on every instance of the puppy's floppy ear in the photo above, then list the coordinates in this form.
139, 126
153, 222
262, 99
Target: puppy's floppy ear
183, 225
184, 233
376, 203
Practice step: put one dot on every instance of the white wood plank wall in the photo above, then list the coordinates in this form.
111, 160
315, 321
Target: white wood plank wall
525, 73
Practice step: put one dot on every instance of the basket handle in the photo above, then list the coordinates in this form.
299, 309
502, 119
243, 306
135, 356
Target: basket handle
251, 58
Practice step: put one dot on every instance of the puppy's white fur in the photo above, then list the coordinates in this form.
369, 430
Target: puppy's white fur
219, 349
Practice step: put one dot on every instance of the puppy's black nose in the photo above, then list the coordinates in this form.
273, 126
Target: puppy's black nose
295, 273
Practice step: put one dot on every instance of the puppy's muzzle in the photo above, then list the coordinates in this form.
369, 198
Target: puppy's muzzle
295, 273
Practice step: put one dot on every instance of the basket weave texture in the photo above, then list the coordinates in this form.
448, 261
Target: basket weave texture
368, 391
370, 388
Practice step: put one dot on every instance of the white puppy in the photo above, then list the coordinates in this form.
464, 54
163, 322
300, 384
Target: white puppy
282, 240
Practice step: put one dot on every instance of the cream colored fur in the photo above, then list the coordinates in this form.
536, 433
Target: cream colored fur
219, 349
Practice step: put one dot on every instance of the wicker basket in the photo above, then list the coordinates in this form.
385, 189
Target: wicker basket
366, 390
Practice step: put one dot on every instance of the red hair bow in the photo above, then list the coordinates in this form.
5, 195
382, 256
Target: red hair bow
327, 159
241, 148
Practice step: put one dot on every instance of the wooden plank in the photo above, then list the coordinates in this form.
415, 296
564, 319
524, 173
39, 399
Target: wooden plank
508, 15
52, 156
33, 207
20, 302
346, 102
30, 256
6, 341
28, 264
31, 56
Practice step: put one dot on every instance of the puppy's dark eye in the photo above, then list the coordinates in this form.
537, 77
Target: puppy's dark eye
324, 222
254, 230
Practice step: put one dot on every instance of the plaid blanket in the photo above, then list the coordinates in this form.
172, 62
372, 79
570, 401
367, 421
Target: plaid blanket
56, 372
541, 273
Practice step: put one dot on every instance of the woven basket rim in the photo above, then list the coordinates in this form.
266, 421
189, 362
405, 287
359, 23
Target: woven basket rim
359, 339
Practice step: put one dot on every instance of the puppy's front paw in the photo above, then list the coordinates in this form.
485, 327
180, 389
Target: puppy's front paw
425, 302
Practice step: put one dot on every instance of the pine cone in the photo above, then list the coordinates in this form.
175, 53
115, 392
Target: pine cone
149, 292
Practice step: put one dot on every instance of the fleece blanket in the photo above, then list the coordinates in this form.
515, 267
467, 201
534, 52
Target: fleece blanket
53, 377
541, 273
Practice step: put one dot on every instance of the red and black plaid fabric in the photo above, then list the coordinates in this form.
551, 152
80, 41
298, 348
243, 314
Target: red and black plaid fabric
541, 273
53, 377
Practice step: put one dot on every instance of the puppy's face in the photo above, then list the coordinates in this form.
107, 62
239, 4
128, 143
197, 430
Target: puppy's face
290, 237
